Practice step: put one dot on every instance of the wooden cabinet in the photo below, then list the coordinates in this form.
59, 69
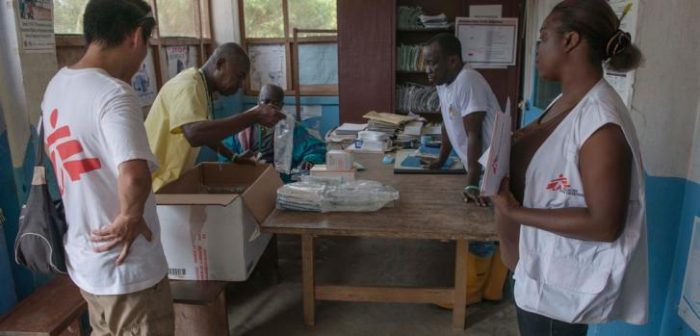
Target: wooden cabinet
365, 57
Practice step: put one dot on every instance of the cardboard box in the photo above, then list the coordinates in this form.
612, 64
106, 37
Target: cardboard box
209, 220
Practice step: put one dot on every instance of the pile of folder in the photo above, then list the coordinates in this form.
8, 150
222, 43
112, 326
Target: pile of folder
417, 98
410, 58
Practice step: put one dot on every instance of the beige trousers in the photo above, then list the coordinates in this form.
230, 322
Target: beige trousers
146, 312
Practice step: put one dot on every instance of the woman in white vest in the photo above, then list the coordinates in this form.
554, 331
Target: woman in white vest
577, 244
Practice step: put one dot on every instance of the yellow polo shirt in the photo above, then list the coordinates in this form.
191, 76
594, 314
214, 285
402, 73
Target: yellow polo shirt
182, 100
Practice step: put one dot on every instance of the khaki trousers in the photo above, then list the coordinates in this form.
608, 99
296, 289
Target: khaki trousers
146, 312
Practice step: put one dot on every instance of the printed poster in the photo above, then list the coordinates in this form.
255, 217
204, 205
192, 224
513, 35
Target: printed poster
623, 82
488, 43
36, 26
144, 81
268, 65
689, 307
180, 58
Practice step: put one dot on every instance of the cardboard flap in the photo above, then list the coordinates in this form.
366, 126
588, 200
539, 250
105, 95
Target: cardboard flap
186, 199
261, 199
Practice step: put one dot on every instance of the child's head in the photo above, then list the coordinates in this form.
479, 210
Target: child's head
271, 94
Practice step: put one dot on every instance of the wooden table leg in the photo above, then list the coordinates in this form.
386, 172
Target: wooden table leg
460, 292
307, 267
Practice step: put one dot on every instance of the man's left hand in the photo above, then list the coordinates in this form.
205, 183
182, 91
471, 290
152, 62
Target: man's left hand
472, 195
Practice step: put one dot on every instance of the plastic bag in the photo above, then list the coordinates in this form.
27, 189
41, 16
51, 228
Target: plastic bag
284, 144
331, 196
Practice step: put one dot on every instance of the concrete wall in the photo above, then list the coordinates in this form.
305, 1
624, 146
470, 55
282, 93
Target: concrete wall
666, 112
665, 104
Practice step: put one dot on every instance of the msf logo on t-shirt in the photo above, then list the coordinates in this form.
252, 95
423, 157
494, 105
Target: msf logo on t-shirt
63, 146
561, 184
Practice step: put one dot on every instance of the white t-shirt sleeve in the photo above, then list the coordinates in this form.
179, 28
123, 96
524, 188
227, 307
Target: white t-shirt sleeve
473, 94
123, 129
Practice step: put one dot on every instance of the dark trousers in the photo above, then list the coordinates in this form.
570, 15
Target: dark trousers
531, 324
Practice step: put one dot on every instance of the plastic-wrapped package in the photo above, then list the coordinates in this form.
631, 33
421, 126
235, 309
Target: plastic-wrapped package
284, 144
331, 196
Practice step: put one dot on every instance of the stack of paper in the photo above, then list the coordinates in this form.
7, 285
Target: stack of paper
496, 159
391, 118
434, 21
432, 129
350, 129
383, 127
413, 128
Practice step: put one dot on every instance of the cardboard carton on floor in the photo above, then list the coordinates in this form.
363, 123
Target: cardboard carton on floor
209, 220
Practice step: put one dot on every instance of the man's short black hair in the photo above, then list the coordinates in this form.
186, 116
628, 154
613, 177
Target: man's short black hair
108, 22
448, 43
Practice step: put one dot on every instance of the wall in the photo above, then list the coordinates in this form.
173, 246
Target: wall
666, 112
24, 78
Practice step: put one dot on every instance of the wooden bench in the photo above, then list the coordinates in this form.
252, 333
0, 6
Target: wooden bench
200, 307
54, 309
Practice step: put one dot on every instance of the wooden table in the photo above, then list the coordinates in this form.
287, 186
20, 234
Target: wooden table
430, 207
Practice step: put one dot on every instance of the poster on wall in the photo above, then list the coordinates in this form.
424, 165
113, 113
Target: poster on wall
268, 65
144, 81
623, 82
689, 307
318, 64
36, 26
179, 58
488, 43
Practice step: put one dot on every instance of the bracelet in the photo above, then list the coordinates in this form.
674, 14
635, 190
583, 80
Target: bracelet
471, 187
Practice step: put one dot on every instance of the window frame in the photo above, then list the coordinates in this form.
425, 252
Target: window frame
157, 44
291, 54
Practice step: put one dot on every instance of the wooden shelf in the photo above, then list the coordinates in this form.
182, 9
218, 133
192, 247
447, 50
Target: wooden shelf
425, 30
421, 112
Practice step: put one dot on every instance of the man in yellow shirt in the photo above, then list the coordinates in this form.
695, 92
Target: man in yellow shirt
180, 120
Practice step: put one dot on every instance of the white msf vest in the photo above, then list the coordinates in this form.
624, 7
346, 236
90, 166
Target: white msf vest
573, 280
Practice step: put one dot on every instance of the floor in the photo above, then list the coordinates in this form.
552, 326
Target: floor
263, 306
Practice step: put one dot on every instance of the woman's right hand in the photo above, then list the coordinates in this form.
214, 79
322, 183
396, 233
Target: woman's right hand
504, 200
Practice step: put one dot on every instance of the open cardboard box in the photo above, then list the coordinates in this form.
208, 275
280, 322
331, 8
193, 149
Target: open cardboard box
210, 220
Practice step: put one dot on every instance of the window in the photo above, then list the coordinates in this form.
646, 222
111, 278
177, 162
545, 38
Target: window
68, 16
182, 39
268, 31
545, 92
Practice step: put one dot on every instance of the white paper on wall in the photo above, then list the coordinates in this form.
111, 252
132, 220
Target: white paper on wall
144, 81
36, 26
623, 82
268, 65
689, 307
488, 43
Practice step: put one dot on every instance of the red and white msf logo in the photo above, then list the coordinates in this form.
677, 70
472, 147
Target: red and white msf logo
558, 183
62, 147
561, 185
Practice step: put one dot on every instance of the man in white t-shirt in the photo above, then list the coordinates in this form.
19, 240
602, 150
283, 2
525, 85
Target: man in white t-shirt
98, 146
468, 108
